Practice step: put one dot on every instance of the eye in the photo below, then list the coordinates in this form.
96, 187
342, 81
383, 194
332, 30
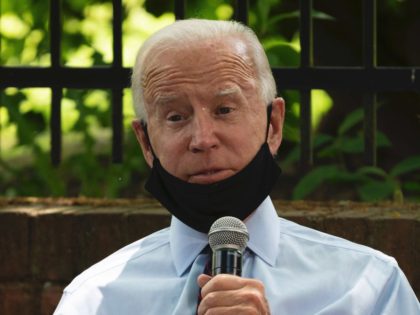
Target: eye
223, 110
174, 118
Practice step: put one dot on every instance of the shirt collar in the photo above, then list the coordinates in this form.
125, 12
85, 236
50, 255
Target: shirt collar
186, 243
264, 231
263, 228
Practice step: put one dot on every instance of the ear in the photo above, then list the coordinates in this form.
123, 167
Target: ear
275, 133
143, 140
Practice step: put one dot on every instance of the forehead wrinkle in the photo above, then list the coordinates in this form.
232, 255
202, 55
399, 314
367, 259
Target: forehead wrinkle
161, 78
235, 63
164, 98
227, 91
152, 75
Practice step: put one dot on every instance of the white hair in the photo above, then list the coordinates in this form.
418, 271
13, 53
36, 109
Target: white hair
185, 32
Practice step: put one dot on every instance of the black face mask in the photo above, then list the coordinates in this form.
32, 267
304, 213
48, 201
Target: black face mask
199, 205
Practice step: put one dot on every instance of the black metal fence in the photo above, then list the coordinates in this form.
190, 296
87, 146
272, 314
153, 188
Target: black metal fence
368, 78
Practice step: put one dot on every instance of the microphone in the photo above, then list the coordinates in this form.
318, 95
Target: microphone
228, 237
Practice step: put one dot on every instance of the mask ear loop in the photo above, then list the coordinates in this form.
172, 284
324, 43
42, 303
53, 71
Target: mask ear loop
144, 127
269, 110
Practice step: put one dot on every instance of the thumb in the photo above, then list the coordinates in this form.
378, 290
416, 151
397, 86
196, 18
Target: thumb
203, 279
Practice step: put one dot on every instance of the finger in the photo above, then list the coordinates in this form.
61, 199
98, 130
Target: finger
246, 297
247, 307
222, 310
203, 279
223, 282
240, 294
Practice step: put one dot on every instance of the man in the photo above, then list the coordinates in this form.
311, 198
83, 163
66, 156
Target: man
208, 124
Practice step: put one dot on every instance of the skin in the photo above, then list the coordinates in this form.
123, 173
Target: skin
206, 121
227, 294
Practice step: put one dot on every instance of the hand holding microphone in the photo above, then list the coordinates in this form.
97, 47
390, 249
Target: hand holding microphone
226, 292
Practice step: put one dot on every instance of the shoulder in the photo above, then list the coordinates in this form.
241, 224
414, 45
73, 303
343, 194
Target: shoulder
110, 267
340, 275
305, 237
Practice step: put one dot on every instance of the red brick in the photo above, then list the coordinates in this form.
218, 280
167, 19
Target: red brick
399, 238
98, 234
17, 299
141, 224
61, 242
352, 229
50, 297
14, 245
310, 220
53, 253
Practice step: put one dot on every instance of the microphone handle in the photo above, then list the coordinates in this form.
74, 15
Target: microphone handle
228, 261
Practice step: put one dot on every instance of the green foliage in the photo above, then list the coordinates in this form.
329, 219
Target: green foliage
86, 167
410, 164
370, 183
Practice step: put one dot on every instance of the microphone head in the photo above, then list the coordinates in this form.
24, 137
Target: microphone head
228, 232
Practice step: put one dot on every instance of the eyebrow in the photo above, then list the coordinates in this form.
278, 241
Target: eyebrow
165, 98
227, 91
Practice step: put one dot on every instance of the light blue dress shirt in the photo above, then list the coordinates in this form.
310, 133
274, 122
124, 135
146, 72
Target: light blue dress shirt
304, 272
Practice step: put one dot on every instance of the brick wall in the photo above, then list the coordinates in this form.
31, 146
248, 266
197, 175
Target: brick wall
44, 243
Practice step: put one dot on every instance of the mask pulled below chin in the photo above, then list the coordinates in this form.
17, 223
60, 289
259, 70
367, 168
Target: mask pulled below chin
199, 205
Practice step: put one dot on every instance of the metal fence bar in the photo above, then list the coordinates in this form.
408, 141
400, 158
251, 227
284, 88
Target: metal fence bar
83, 78
368, 78
241, 11
55, 125
117, 93
179, 9
370, 63
57, 91
306, 34
306, 61
357, 78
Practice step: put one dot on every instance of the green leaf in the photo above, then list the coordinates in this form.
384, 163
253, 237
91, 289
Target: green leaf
375, 190
296, 14
351, 120
329, 151
284, 16
322, 16
322, 139
351, 145
411, 186
408, 165
327, 143
291, 133
348, 177
291, 158
283, 55
382, 140
294, 154
314, 179
372, 170
273, 41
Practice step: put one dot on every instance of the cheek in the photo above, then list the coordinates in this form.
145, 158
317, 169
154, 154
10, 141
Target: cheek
244, 148
170, 152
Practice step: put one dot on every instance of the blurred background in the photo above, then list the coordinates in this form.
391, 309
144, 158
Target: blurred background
86, 167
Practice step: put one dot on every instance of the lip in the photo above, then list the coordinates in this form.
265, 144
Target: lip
210, 176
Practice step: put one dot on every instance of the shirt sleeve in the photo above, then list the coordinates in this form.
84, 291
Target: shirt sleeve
397, 297
81, 302
64, 308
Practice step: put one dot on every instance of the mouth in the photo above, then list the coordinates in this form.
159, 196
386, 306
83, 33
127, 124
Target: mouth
210, 176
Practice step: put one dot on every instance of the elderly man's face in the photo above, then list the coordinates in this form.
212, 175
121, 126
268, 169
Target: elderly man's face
206, 120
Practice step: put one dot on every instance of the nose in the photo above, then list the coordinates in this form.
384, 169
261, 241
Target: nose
203, 137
